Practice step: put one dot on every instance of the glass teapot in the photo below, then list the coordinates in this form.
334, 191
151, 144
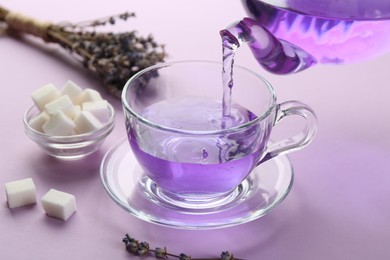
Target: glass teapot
287, 36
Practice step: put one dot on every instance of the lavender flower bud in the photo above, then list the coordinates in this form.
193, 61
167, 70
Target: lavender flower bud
184, 257
160, 252
227, 256
132, 246
143, 248
125, 240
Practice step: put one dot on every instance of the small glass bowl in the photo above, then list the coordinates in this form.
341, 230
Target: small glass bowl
71, 147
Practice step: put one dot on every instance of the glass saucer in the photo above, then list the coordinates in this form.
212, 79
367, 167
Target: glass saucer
124, 181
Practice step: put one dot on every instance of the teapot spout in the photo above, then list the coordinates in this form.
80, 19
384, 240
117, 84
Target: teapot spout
274, 55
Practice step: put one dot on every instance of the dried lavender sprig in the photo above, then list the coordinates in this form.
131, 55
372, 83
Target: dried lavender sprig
134, 247
113, 57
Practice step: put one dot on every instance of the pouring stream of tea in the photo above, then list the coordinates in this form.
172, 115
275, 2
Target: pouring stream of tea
274, 55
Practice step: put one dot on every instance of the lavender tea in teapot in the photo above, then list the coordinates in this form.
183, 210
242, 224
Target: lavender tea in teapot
287, 36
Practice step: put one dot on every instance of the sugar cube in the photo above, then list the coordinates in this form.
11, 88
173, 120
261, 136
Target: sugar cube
89, 95
63, 104
39, 120
59, 204
20, 193
44, 95
69, 111
71, 90
98, 108
77, 109
86, 122
59, 125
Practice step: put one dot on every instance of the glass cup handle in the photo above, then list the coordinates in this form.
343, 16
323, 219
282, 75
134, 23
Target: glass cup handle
299, 140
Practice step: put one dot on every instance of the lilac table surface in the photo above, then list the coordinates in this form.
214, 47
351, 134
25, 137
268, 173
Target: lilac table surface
338, 207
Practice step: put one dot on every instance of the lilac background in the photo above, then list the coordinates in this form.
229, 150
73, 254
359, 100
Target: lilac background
339, 205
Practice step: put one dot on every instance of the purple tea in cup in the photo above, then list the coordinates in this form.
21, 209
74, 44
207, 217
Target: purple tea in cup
188, 164
193, 152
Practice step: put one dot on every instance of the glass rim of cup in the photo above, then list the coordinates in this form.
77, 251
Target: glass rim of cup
240, 127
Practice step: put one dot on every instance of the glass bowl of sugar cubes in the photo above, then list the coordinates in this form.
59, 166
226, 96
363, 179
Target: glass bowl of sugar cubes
68, 123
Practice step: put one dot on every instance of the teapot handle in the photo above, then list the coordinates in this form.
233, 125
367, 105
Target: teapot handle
275, 55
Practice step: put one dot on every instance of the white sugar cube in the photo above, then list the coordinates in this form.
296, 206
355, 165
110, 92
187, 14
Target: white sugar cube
39, 120
20, 193
59, 125
63, 104
89, 95
86, 122
59, 204
44, 95
77, 109
98, 108
71, 90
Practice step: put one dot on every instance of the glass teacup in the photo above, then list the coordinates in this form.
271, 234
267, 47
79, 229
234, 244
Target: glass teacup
194, 157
